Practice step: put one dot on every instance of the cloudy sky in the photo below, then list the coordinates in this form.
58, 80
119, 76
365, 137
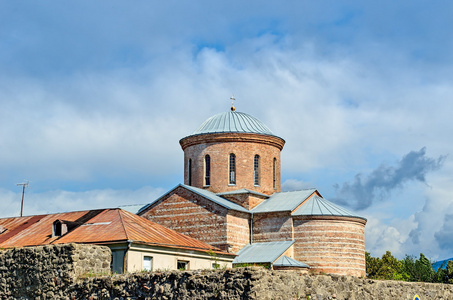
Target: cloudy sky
95, 95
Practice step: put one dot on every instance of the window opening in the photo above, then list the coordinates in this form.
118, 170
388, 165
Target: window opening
232, 168
207, 165
274, 173
182, 265
190, 172
256, 170
147, 263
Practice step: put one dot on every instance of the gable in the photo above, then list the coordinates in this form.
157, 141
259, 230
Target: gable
189, 193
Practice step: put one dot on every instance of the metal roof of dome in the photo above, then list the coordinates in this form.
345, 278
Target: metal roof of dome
232, 121
318, 206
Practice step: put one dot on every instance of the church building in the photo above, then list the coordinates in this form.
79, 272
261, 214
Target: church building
231, 199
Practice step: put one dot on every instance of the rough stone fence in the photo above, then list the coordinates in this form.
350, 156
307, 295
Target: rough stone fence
72, 272
45, 272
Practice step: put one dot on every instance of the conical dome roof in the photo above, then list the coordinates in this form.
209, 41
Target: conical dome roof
232, 121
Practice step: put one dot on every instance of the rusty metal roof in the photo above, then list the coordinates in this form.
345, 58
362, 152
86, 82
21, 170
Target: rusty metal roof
107, 226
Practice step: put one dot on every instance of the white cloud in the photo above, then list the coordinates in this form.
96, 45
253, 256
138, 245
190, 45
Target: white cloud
93, 110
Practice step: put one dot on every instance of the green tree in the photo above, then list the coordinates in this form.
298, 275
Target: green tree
409, 267
372, 265
449, 272
424, 269
391, 268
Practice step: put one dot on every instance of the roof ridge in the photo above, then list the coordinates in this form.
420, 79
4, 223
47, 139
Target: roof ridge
122, 223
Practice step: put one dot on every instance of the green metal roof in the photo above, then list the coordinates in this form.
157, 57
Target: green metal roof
242, 191
262, 252
285, 261
204, 193
232, 121
285, 201
278, 202
134, 208
318, 206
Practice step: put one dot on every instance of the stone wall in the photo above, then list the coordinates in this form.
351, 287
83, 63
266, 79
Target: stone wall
252, 283
50, 272
45, 272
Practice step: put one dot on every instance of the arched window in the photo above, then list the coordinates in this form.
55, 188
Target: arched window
189, 171
274, 173
207, 170
256, 170
232, 168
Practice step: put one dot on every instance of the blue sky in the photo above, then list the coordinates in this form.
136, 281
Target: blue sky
95, 96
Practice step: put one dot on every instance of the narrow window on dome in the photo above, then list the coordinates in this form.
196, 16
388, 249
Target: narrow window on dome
232, 168
274, 173
256, 169
207, 170
189, 171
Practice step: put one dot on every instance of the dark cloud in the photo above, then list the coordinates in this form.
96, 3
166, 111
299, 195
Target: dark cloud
443, 236
361, 192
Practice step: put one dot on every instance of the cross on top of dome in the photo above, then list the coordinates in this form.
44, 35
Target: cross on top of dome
232, 103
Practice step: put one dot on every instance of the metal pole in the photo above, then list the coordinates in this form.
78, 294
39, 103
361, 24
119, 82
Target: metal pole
24, 185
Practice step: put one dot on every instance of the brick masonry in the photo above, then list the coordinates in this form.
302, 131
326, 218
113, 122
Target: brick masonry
238, 232
190, 214
334, 246
330, 244
245, 147
272, 227
247, 201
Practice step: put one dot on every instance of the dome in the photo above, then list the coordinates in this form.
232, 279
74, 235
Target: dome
232, 121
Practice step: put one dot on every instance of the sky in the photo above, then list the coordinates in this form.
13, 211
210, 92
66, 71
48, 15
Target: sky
95, 96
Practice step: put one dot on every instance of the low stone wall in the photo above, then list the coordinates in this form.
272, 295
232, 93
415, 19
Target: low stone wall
45, 272
252, 283
72, 272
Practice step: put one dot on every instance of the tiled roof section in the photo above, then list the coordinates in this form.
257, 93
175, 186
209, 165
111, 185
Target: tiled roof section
204, 193
107, 226
232, 121
262, 252
286, 261
242, 191
318, 206
285, 201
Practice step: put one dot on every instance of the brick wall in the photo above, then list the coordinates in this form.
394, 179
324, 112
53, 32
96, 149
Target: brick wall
192, 215
247, 201
272, 227
238, 230
334, 246
245, 147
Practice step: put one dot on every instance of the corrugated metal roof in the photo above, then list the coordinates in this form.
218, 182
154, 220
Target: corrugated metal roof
285, 201
232, 121
318, 206
217, 199
204, 193
105, 227
242, 191
262, 252
135, 208
285, 261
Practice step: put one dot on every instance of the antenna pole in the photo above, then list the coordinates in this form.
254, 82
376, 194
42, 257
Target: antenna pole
24, 185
